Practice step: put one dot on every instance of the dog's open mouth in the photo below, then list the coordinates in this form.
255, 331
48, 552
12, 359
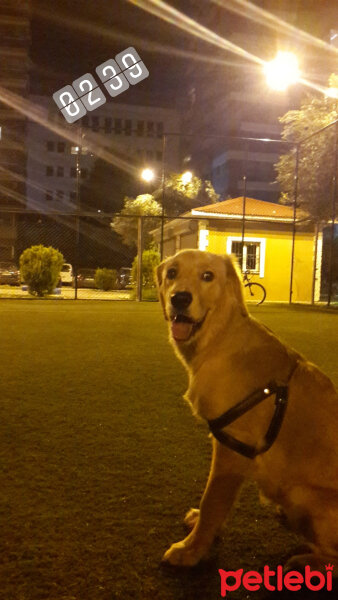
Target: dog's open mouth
183, 327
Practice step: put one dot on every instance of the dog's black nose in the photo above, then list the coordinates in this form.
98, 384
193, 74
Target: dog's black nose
181, 300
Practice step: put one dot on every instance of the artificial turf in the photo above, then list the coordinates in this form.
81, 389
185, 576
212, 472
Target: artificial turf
100, 457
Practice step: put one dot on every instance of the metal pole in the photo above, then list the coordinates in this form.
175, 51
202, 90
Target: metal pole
333, 214
77, 217
295, 197
139, 257
314, 276
164, 141
243, 221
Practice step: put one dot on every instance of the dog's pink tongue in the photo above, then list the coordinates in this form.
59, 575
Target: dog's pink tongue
181, 330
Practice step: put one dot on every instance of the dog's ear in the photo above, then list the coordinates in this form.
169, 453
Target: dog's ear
234, 279
159, 281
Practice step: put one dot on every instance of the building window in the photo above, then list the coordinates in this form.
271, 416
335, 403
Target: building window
159, 129
60, 194
50, 146
61, 146
127, 127
59, 171
253, 253
108, 125
150, 155
49, 195
118, 126
95, 123
140, 128
159, 156
150, 128
73, 171
49, 171
72, 196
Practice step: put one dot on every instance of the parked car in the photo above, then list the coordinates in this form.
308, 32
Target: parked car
66, 275
124, 278
86, 278
9, 274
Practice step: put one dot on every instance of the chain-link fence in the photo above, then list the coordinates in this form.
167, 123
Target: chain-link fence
315, 194
87, 243
289, 250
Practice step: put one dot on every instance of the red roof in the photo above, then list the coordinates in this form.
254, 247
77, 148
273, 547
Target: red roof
255, 209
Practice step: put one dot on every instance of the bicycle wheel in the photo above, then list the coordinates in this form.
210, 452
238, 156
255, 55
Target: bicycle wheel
257, 292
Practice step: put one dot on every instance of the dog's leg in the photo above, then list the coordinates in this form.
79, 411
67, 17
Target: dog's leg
320, 526
226, 475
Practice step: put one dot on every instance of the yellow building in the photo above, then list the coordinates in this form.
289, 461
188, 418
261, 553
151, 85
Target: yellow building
268, 244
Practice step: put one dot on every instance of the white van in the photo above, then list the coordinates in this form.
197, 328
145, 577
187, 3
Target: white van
66, 275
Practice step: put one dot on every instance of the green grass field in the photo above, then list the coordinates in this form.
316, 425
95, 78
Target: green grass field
100, 457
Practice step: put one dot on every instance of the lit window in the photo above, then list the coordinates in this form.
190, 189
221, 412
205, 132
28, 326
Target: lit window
253, 253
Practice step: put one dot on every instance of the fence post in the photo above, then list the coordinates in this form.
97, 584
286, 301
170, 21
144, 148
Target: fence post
243, 221
333, 214
295, 197
315, 259
139, 258
164, 139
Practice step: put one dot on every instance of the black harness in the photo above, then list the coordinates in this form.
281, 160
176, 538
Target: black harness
250, 451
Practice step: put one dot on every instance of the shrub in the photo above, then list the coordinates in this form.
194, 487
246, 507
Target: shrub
150, 259
40, 269
105, 279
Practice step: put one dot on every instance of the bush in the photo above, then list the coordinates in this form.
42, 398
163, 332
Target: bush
150, 259
40, 269
105, 279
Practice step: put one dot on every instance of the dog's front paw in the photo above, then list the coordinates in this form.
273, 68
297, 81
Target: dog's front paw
191, 517
183, 555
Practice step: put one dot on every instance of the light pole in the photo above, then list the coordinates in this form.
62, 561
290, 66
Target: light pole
147, 175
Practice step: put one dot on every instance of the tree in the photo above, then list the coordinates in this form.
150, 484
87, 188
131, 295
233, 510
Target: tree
126, 226
180, 197
150, 260
316, 155
40, 269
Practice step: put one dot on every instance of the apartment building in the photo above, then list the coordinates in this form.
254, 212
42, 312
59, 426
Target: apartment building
14, 48
134, 131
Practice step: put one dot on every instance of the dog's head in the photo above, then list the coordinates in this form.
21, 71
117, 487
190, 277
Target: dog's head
198, 291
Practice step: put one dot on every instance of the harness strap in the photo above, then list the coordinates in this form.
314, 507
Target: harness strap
248, 450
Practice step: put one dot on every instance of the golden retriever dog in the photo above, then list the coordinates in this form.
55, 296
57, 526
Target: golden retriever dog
274, 414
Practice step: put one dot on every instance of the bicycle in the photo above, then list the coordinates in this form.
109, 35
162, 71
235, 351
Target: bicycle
257, 290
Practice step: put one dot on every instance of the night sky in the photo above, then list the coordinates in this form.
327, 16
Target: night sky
71, 37
61, 51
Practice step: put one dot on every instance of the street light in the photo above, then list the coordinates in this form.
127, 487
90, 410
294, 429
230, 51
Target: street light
186, 177
332, 92
282, 71
147, 175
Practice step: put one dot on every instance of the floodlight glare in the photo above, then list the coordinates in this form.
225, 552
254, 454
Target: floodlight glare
282, 71
147, 175
186, 177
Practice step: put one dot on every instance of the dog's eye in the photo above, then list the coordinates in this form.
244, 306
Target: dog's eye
171, 273
207, 276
